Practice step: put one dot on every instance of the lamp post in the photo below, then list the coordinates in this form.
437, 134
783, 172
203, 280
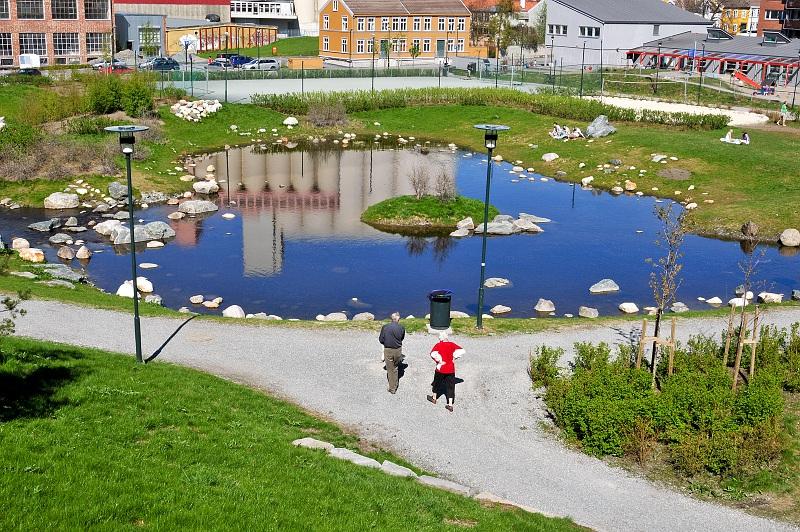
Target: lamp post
225, 64
497, 64
583, 66
700, 67
373, 63
658, 66
490, 140
552, 59
127, 139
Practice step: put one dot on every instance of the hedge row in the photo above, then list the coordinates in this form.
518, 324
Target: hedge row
545, 104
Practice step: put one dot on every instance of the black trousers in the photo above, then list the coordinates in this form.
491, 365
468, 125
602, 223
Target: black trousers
444, 383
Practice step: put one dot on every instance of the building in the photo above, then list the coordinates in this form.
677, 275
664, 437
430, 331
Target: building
607, 29
772, 59
58, 31
740, 17
211, 10
780, 15
356, 31
292, 18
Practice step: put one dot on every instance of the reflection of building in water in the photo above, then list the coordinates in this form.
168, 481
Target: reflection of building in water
312, 194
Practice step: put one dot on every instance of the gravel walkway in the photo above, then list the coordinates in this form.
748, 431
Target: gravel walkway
738, 117
492, 442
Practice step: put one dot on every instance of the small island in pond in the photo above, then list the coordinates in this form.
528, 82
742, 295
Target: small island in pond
427, 214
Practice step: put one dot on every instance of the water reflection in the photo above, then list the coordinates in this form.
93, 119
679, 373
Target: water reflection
315, 194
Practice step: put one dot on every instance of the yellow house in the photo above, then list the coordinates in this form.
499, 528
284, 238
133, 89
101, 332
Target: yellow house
739, 16
357, 31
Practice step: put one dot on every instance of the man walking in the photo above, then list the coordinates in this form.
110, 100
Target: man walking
392, 335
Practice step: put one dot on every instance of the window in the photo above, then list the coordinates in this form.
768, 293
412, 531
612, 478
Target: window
360, 46
326, 44
370, 46
556, 29
772, 14
460, 46
426, 45
5, 45
345, 24
96, 9
385, 24
462, 24
326, 22
451, 24
32, 43
416, 44
427, 24
30, 9
335, 5
656, 29
65, 9
371, 24
398, 45
4, 10
150, 41
344, 45
98, 43
590, 31
417, 25
404, 24
360, 24
395, 24
441, 24
66, 44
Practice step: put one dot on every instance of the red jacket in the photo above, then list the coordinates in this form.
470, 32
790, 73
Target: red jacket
444, 354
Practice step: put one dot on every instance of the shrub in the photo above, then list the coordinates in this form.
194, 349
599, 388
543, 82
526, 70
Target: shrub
18, 138
327, 115
133, 94
137, 94
88, 125
543, 368
103, 94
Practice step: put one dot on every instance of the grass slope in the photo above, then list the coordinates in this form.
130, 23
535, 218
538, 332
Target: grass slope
91, 439
427, 212
290, 47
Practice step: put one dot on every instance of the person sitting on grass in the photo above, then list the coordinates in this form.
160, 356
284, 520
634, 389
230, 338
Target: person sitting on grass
557, 133
728, 138
745, 138
577, 134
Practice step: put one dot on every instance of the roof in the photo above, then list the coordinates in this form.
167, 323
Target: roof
740, 4
740, 47
634, 12
407, 7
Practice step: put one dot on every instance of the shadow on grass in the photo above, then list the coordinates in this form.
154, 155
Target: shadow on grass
30, 380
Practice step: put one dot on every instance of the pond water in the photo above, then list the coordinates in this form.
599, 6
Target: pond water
297, 248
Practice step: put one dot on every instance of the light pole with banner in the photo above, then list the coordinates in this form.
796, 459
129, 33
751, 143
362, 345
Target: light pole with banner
127, 138
491, 132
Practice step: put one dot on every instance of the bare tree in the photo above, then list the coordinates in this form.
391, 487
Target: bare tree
445, 186
665, 278
420, 180
707, 8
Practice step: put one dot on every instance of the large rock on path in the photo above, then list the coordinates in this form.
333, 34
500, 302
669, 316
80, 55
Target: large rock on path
61, 200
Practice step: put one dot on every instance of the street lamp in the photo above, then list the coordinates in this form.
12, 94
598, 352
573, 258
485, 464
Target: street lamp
497, 64
373, 63
490, 140
658, 65
700, 66
226, 63
127, 139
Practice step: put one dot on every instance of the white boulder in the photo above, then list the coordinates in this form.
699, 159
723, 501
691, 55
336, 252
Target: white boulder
790, 238
61, 200
544, 305
31, 254
549, 157
495, 282
769, 297
234, 311
629, 308
500, 309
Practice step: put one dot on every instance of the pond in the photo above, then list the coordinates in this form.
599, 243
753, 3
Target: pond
297, 248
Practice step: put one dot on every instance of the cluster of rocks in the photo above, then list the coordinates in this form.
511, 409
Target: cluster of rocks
196, 110
342, 316
502, 224
390, 468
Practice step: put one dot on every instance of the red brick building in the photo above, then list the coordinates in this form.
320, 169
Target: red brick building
58, 31
780, 15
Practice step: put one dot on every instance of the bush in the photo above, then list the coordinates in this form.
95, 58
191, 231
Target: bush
104, 94
610, 408
547, 104
18, 138
327, 115
88, 125
108, 94
51, 106
137, 95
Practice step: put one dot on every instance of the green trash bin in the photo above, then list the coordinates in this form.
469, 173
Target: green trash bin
440, 308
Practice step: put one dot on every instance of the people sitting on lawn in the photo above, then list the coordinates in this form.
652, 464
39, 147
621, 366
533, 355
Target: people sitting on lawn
728, 138
577, 134
566, 133
557, 132
745, 138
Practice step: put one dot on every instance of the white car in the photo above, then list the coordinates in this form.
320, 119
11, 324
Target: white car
262, 64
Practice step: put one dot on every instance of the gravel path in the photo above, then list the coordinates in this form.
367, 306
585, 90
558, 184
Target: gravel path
492, 442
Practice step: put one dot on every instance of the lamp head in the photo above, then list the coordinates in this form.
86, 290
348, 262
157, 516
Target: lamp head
127, 135
491, 132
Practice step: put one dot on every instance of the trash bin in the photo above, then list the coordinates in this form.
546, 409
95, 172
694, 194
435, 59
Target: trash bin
440, 308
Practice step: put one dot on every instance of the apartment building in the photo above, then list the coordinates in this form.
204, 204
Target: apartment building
740, 17
780, 15
291, 17
58, 31
355, 31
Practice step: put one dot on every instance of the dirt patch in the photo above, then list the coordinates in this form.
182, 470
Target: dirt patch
467, 523
675, 174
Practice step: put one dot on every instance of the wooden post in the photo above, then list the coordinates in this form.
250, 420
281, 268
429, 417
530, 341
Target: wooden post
672, 348
728, 337
738, 362
641, 344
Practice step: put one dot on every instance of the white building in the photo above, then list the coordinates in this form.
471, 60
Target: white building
292, 18
609, 28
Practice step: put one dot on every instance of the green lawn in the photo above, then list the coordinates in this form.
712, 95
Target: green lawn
93, 440
425, 214
290, 47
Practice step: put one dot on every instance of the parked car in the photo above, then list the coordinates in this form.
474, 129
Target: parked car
116, 69
161, 64
29, 72
106, 63
262, 64
216, 66
239, 60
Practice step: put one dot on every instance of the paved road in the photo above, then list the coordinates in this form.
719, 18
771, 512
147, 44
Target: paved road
492, 442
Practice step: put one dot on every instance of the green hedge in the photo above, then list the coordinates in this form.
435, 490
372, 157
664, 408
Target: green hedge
610, 408
545, 104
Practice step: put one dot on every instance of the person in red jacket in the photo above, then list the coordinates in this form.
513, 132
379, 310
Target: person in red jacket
444, 354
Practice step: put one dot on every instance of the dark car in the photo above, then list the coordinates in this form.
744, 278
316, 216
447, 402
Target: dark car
163, 64
29, 72
239, 60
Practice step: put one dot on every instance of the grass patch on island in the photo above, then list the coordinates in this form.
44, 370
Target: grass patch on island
427, 213
91, 439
